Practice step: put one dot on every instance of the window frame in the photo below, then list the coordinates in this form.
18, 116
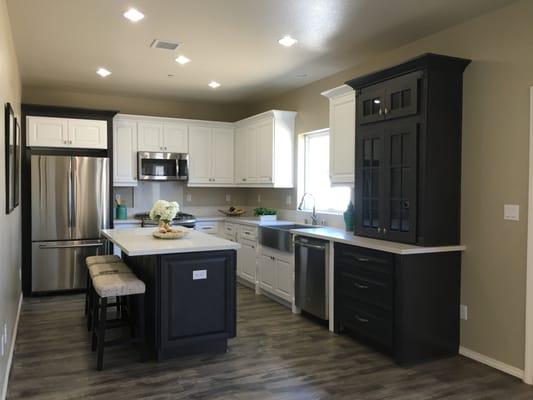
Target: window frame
302, 170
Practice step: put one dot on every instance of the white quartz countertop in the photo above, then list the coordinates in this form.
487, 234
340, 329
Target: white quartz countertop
341, 236
140, 242
126, 221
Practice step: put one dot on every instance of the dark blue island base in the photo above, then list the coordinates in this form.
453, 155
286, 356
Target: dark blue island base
190, 303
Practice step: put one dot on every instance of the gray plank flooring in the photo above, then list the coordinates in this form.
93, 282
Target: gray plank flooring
276, 355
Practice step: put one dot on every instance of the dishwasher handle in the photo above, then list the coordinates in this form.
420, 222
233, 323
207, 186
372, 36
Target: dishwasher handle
309, 245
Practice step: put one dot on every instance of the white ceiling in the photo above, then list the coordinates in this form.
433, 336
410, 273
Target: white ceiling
61, 43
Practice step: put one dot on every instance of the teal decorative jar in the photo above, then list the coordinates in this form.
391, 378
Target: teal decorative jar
349, 216
121, 212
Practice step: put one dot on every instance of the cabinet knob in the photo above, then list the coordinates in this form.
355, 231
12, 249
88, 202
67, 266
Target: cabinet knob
379, 230
64, 141
361, 319
244, 179
380, 112
165, 147
360, 286
70, 141
384, 230
386, 111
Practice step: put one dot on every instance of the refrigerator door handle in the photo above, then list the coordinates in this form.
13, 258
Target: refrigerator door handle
72, 200
70, 246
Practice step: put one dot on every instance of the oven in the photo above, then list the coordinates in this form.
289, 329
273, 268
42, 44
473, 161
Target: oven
162, 166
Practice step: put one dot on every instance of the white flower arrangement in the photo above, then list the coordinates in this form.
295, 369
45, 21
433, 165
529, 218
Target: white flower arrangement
164, 211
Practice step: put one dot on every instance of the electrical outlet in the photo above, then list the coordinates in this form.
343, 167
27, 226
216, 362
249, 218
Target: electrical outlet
228, 197
259, 198
511, 212
463, 312
288, 200
189, 197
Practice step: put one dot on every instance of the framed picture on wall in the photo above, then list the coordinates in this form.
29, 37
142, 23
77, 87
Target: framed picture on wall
10, 122
18, 161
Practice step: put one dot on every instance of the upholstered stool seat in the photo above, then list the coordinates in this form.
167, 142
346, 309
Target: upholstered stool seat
108, 268
117, 284
104, 259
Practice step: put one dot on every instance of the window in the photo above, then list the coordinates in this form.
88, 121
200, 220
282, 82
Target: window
314, 175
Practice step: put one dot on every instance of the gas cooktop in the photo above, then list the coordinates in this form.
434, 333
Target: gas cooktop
181, 219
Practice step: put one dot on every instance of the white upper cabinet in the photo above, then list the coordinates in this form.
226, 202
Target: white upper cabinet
162, 135
175, 138
211, 155
66, 132
264, 151
342, 134
124, 152
150, 136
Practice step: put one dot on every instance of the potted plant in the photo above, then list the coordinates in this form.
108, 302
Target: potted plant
266, 214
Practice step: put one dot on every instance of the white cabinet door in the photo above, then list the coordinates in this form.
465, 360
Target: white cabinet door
267, 272
200, 154
222, 150
241, 155
247, 254
125, 153
264, 132
150, 136
47, 132
251, 155
284, 279
87, 133
175, 138
342, 139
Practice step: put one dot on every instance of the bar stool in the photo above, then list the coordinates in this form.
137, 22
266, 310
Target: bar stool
98, 269
92, 260
123, 285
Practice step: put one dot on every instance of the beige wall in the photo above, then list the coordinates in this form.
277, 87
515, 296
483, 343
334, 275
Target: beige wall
10, 243
134, 104
495, 164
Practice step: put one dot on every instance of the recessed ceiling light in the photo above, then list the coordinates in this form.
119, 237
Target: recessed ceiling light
133, 15
182, 60
287, 41
214, 84
103, 72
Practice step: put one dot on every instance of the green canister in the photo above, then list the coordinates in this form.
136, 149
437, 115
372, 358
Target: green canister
121, 212
349, 216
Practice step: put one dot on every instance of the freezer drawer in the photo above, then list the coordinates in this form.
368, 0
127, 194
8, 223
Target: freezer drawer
61, 265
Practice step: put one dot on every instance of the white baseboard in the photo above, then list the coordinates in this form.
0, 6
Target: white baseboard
3, 395
491, 362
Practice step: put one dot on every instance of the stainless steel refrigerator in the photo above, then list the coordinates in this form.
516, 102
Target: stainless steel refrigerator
69, 207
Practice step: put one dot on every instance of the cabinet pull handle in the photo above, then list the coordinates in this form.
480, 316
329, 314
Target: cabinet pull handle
362, 259
360, 319
360, 286
244, 179
386, 111
384, 230
379, 230
380, 112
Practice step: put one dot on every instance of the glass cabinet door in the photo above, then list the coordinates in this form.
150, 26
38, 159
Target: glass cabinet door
369, 204
400, 181
370, 104
401, 98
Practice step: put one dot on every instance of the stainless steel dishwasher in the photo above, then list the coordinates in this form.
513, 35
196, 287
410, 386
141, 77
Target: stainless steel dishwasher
311, 276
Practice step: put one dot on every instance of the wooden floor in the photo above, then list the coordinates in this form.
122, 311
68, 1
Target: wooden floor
277, 355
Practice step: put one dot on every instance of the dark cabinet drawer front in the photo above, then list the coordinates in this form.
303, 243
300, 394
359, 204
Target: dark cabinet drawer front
375, 264
357, 285
369, 322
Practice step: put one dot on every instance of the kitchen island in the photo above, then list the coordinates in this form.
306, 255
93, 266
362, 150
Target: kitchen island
190, 300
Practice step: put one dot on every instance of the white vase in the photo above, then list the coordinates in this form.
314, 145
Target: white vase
265, 218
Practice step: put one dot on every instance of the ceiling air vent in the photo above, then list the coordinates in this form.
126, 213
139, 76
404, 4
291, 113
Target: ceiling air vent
164, 44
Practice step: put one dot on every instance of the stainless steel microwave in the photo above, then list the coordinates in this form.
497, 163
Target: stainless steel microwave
162, 166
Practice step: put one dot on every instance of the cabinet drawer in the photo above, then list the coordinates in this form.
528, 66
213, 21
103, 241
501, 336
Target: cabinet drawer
377, 264
229, 228
369, 322
248, 233
207, 227
353, 286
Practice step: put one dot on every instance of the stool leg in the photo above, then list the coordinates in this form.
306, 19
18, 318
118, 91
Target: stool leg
101, 334
90, 301
94, 318
87, 279
140, 318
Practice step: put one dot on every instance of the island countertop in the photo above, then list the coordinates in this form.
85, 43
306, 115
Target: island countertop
140, 242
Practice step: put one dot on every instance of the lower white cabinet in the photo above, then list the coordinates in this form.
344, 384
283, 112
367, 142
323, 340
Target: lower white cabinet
276, 273
210, 227
247, 260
